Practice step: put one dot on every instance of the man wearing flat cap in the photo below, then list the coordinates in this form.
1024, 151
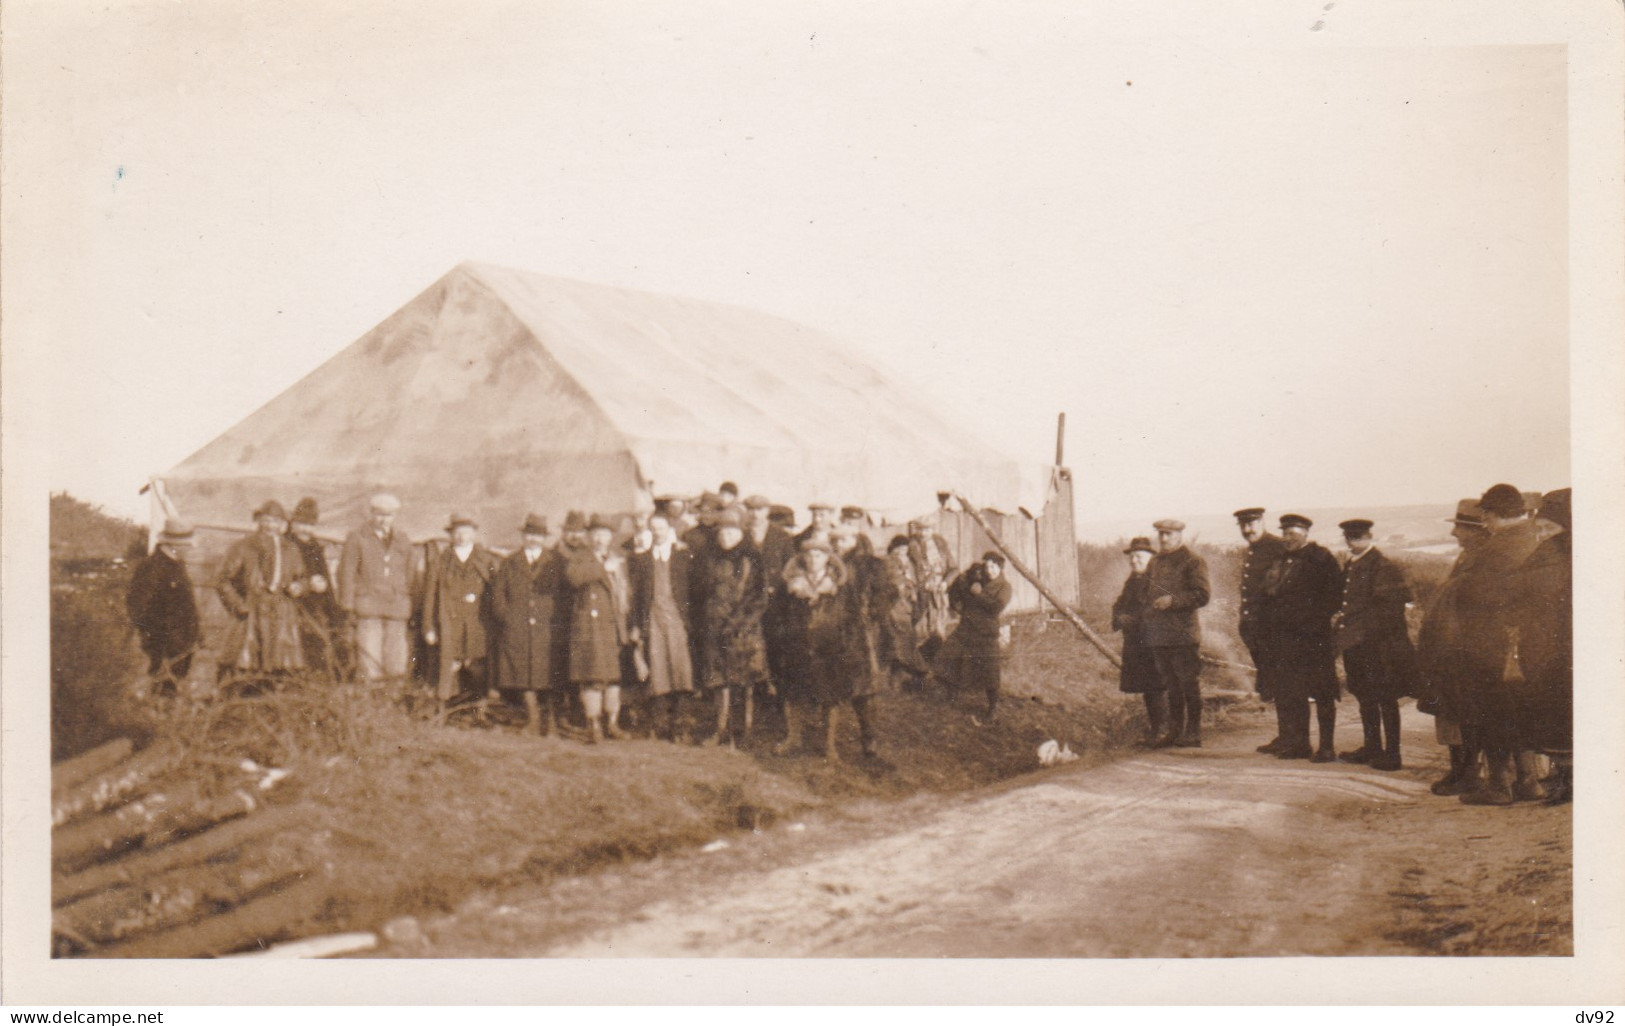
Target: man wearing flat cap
379, 574
1302, 591
259, 583
1263, 549
163, 609
457, 610
822, 516
1487, 604
524, 598
1378, 659
1177, 587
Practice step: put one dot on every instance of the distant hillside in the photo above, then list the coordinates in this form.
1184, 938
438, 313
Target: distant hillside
1397, 527
82, 531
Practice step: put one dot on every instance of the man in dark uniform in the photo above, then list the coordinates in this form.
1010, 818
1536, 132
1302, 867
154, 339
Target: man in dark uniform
1178, 587
1302, 591
1378, 658
163, 609
1263, 549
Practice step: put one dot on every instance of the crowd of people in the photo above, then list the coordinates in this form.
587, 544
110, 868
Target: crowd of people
729, 601
725, 599
1492, 662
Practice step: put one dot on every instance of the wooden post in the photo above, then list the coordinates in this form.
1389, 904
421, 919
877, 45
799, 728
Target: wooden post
1060, 440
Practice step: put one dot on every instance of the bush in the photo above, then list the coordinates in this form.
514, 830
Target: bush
94, 661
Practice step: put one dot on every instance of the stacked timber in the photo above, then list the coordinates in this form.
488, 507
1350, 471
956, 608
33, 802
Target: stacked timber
148, 864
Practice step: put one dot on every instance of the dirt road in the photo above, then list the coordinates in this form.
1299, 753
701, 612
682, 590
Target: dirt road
1187, 852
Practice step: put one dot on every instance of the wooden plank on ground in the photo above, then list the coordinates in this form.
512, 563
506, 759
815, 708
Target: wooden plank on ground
260, 921
147, 864
65, 774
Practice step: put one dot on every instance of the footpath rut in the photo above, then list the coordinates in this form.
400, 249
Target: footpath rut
1208, 852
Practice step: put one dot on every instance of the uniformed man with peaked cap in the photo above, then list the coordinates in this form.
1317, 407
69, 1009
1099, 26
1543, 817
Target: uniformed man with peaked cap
1378, 659
1302, 591
1263, 548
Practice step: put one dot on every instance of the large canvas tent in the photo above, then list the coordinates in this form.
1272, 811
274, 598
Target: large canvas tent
497, 392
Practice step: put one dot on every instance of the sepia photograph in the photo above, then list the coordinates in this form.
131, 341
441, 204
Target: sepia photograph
1043, 496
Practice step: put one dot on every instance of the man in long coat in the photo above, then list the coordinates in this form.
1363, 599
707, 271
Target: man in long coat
1487, 604
1179, 587
825, 640
1546, 646
457, 609
1303, 590
871, 596
163, 609
523, 597
732, 592
662, 583
1440, 658
1138, 675
599, 632
1263, 549
320, 626
259, 583
379, 575
1379, 661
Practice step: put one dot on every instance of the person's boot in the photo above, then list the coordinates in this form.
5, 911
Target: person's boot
866, 727
1175, 726
1451, 783
1388, 759
832, 721
592, 706
1527, 787
1371, 747
792, 731
1191, 736
1497, 790
1326, 716
1156, 715
1278, 743
1561, 790
723, 711
612, 713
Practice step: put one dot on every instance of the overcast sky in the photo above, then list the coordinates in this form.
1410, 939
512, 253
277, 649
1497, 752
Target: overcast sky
1259, 253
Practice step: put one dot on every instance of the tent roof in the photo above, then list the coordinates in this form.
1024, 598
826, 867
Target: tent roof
498, 391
